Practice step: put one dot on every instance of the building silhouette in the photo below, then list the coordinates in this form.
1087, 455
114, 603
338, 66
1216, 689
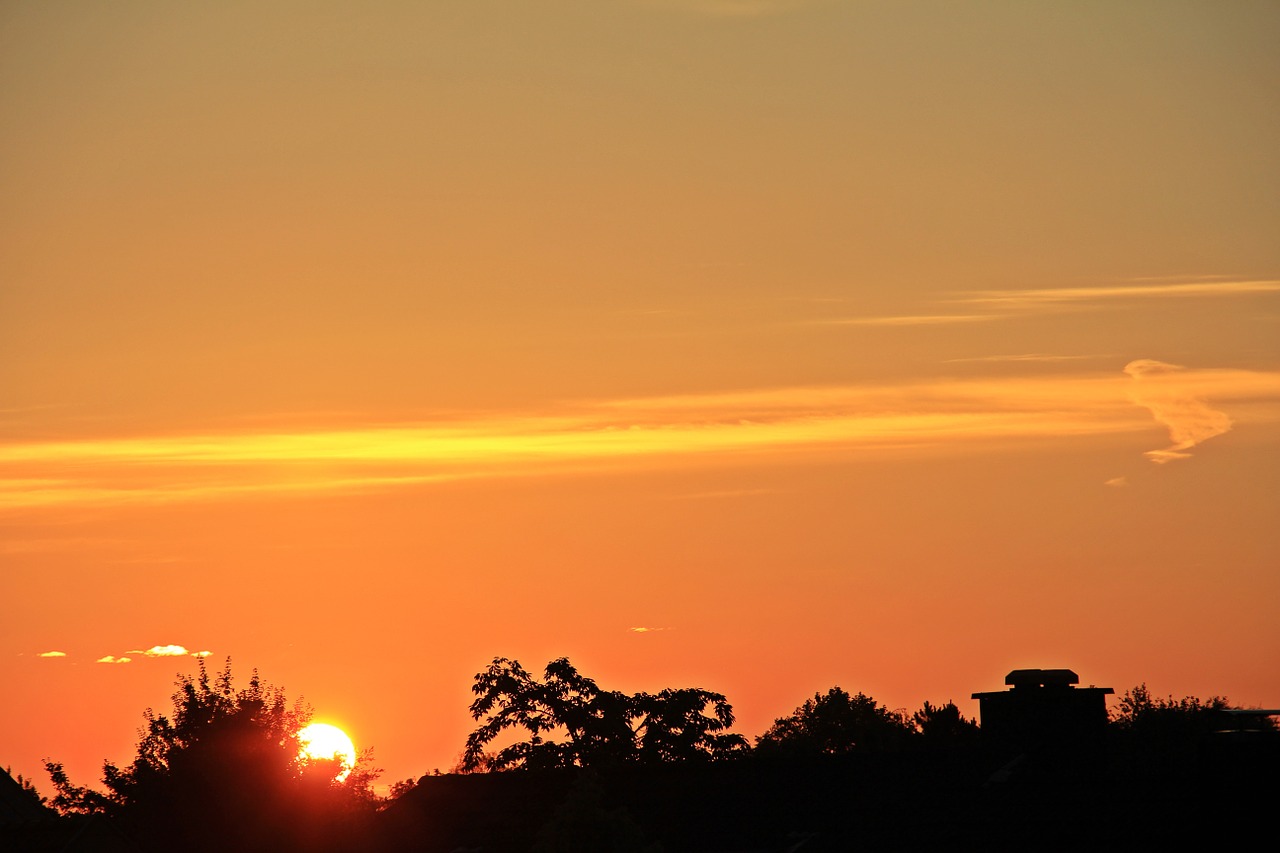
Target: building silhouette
1044, 711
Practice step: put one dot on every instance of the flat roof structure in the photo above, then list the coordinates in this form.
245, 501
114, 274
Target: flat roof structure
1042, 709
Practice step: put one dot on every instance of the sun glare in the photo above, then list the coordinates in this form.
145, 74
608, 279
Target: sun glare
323, 741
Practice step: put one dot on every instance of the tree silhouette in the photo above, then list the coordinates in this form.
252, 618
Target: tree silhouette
1138, 713
837, 723
944, 726
223, 771
71, 799
571, 722
1191, 740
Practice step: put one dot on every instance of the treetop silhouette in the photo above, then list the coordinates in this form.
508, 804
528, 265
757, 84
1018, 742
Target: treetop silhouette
836, 723
944, 725
1141, 714
570, 721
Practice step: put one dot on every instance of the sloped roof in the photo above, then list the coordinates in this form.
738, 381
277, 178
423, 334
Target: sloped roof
17, 805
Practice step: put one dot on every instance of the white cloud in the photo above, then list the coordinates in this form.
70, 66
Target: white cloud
113, 659
162, 652
52, 654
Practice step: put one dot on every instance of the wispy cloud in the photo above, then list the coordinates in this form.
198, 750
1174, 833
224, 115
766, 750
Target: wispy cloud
644, 630
1176, 405
732, 8
1043, 297
1117, 482
910, 320
1025, 357
52, 655
995, 305
113, 659
51, 545
723, 493
145, 560
15, 494
575, 437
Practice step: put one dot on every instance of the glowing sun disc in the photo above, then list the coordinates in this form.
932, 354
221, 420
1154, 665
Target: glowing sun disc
323, 741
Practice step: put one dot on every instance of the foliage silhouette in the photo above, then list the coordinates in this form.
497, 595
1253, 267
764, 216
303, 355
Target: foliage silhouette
673, 726
223, 771
26, 787
837, 723
1174, 738
71, 799
571, 722
623, 772
944, 726
1139, 714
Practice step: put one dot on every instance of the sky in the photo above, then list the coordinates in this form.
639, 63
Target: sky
759, 346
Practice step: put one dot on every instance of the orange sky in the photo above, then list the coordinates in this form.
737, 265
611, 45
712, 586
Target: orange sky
753, 345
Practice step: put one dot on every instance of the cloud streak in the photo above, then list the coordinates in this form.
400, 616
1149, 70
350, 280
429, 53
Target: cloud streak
1044, 297
1031, 357
936, 417
996, 305
732, 8
723, 493
911, 320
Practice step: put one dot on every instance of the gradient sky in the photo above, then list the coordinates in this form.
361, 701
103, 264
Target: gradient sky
752, 345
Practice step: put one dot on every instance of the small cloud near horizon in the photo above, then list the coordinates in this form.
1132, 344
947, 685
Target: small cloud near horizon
52, 655
647, 630
1117, 482
113, 659
170, 651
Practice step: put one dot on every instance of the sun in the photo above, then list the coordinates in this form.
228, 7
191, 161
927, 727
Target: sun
321, 740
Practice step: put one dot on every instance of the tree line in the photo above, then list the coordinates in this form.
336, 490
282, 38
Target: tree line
223, 769
567, 720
